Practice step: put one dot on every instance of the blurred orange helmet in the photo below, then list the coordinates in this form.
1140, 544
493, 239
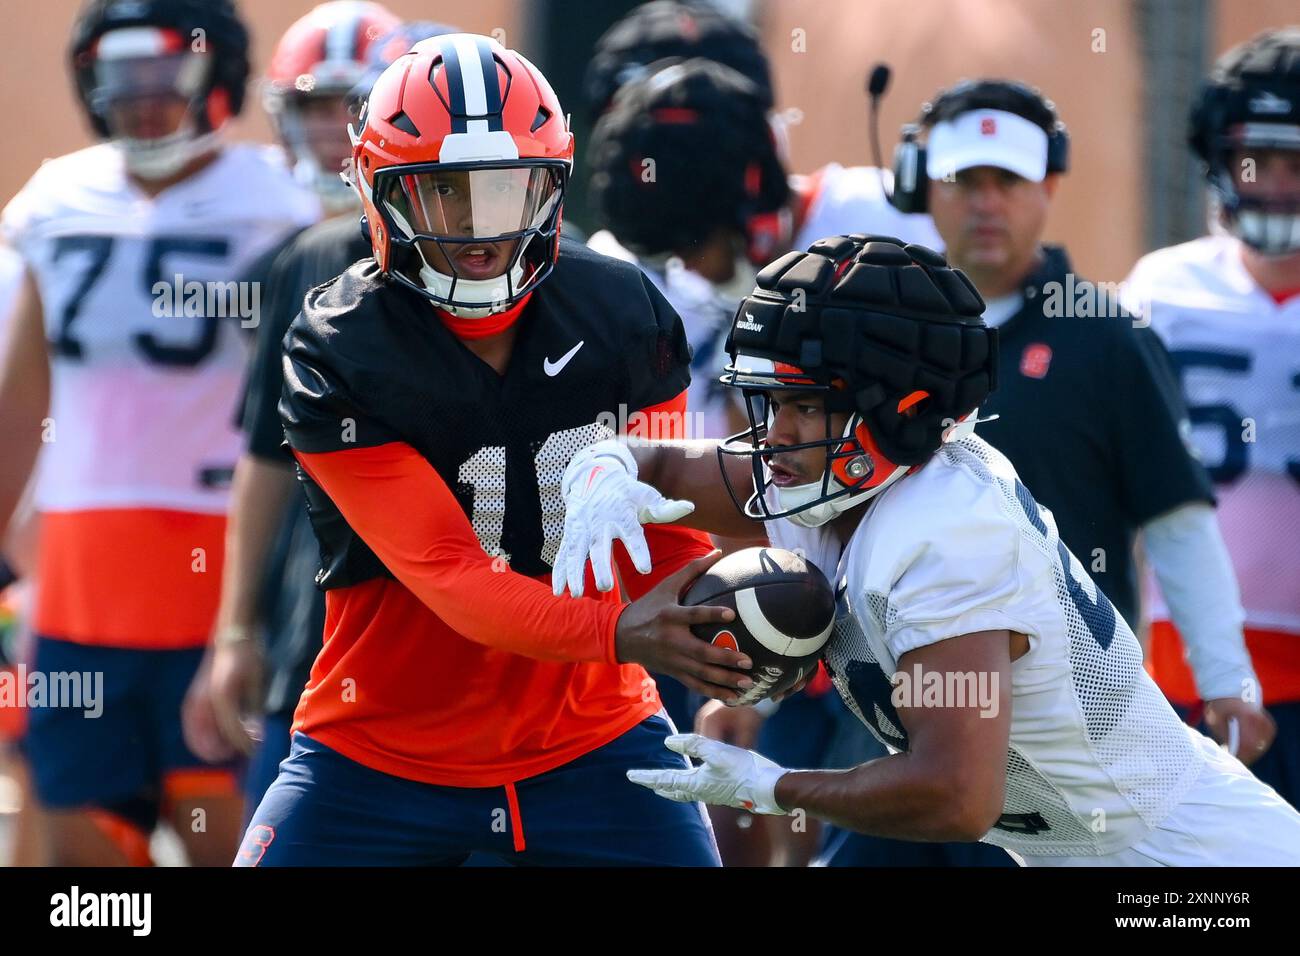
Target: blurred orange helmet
321, 56
325, 49
462, 161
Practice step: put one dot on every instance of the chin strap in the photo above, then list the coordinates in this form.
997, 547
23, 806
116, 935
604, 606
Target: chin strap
816, 516
480, 328
165, 156
487, 291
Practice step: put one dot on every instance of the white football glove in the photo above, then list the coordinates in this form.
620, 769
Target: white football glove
729, 777
603, 501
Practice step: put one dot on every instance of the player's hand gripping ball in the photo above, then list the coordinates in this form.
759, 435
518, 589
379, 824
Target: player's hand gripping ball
785, 609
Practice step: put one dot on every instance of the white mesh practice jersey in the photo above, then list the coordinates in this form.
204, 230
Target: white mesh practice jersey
143, 317
1237, 352
1097, 757
848, 199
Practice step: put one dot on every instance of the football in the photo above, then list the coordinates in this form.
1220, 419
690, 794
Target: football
784, 612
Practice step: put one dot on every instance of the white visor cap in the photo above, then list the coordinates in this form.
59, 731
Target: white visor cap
987, 138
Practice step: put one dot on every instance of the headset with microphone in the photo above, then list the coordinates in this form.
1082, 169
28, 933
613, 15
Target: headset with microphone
910, 188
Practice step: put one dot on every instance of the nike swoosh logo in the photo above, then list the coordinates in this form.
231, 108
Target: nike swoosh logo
554, 368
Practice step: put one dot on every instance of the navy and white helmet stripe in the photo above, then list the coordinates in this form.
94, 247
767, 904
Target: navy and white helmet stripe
472, 87
343, 39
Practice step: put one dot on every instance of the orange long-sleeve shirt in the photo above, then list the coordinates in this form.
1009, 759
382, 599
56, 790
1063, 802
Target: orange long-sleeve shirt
461, 672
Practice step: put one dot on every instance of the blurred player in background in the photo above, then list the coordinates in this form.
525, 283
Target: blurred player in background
131, 384
1228, 307
833, 199
433, 395
315, 65
271, 612
863, 363
680, 164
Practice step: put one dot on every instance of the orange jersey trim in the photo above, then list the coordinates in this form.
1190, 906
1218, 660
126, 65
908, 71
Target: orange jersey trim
129, 577
1275, 656
197, 783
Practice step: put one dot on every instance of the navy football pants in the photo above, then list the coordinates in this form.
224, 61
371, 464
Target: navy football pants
327, 810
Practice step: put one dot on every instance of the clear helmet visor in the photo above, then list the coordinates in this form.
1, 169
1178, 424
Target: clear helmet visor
122, 82
1257, 177
149, 104
461, 205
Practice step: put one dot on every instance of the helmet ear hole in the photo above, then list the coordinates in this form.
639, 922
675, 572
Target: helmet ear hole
910, 406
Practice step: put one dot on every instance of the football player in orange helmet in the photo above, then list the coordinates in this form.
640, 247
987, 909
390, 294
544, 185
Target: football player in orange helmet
433, 396
314, 67
464, 210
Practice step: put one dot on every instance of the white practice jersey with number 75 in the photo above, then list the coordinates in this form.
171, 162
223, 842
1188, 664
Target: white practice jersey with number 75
143, 303
145, 373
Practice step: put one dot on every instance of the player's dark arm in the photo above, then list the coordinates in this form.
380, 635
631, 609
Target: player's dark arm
264, 480
949, 785
690, 470
259, 494
24, 396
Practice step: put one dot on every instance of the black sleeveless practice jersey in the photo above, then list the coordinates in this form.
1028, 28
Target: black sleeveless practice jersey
368, 362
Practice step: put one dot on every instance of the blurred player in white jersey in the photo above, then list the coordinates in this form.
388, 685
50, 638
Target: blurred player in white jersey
1228, 308
863, 363
125, 359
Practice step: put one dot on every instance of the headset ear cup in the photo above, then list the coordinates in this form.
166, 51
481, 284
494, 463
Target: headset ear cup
1058, 150
909, 193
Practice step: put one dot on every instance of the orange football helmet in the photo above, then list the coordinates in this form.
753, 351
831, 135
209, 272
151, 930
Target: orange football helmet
313, 68
461, 162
